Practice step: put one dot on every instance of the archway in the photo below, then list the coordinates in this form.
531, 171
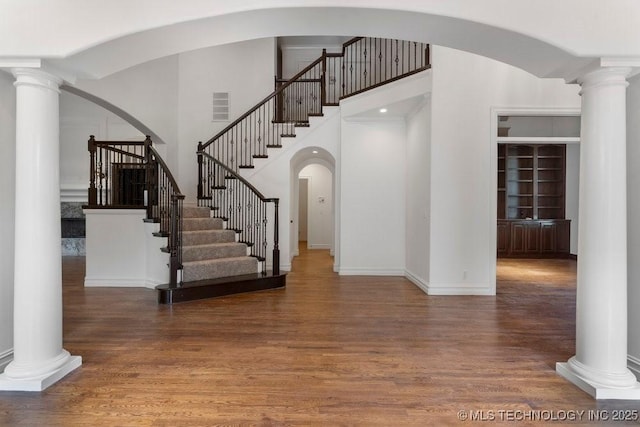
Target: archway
510, 36
318, 163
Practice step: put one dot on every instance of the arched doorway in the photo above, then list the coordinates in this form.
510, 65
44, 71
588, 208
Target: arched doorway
314, 168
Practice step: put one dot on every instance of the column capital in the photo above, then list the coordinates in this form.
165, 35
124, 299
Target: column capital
605, 76
36, 77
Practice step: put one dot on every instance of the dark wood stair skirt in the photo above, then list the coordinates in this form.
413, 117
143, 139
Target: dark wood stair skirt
202, 289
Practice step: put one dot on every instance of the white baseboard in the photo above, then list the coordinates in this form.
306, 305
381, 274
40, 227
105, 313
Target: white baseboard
460, 289
633, 363
318, 246
370, 272
5, 358
109, 282
424, 286
285, 267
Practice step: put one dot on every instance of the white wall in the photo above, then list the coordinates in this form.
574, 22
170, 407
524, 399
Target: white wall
295, 58
418, 194
373, 197
173, 96
633, 213
463, 221
319, 206
278, 175
245, 70
80, 118
148, 92
7, 212
543, 126
129, 258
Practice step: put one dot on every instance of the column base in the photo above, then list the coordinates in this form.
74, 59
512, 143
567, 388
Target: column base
598, 391
41, 382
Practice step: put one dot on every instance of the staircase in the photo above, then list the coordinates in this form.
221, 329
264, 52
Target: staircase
209, 251
364, 63
214, 262
221, 246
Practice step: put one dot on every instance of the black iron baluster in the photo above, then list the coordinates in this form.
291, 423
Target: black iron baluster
92, 196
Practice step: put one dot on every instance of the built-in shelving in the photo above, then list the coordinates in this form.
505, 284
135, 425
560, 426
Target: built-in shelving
531, 181
531, 200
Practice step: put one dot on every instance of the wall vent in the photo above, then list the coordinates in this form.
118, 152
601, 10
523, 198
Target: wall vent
220, 106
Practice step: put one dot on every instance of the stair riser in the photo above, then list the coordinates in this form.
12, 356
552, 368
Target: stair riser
192, 224
195, 212
193, 238
199, 253
216, 270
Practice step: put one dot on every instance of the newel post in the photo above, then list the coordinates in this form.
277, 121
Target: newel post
200, 170
276, 232
427, 52
175, 258
92, 190
148, 185
323, 80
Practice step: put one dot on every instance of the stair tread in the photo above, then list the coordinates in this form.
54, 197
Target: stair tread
221, 244
195, 212
215, 230
218, 261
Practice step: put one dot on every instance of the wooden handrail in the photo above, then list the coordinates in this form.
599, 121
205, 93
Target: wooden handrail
173, 181
236, 176
259, 104
299, 80
350, 42
118, 151
247, 212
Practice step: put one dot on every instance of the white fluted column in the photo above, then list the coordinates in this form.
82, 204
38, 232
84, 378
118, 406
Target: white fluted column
39, 359
600, 364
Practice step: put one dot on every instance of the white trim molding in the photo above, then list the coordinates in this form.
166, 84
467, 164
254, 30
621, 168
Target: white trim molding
461, 289
73, 193
633, 363
314, 246
424, 286
370, 272
5, 358
285, 267
122, 282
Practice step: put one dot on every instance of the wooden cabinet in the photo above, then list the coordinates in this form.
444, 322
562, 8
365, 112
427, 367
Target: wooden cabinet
531, 201
504, 236
533, 238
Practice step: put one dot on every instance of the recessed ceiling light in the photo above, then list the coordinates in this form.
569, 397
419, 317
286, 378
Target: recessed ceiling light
383, 110
315, 151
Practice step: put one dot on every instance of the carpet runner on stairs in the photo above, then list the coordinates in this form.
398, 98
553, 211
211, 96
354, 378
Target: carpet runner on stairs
209, 251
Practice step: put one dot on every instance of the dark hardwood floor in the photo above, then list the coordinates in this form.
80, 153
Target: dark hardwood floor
325, 351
